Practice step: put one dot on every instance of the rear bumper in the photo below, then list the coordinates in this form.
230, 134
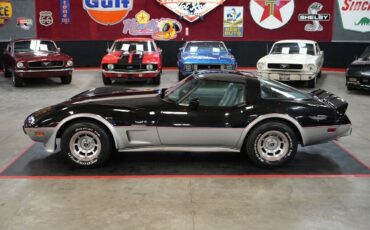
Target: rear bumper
322, 134
44, 73
287, 76
137, 75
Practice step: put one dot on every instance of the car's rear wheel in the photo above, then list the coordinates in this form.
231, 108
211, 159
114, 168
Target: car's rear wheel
86, 145
271, 144
106, 80
17, 81
312, 83
157, 79
66, 80
7, 73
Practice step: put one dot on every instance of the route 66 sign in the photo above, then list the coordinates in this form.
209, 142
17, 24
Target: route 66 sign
46, 18
191, 10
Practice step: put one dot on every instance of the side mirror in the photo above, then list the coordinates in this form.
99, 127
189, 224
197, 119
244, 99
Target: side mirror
159, 50
107, 50
194, 104
58, 50
321, 52
181, 49
229, 50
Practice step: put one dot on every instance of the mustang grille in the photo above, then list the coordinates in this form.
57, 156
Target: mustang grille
284, 66
45, 64
208, 67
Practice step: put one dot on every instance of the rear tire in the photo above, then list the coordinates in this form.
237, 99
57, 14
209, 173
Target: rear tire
17, 81
312, 83
106, 80
271, 144
86, 145
7, 73
66, 80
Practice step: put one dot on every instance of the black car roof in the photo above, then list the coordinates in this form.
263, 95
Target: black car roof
225, 75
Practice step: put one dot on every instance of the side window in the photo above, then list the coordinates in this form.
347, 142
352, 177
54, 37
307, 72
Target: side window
218, 94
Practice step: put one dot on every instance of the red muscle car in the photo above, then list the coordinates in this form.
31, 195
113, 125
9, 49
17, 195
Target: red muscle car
132, 58
36, 58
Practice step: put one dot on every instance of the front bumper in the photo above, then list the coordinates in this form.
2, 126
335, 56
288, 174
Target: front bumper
322, 134
131, 74
286, 75
358, 82
46, 73
45, 135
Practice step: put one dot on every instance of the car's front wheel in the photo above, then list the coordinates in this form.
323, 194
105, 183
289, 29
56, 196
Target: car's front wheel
17, 81
271, 144
157, 79
106, 80
66, 80
312, 83
86, 145
180, 76
7, 73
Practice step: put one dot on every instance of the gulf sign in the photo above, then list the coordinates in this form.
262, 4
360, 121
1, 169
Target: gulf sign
108, 12
5, 12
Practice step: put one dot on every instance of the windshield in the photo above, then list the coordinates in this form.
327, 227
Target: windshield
214, 47
128, 46
181, 89
275, 90
34, 46
293, 48
366, 54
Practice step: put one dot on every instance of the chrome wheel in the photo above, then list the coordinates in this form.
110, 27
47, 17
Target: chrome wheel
85, 146
273, 145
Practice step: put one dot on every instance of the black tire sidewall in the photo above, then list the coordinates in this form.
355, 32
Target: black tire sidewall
106, 80
106, 145
253, 137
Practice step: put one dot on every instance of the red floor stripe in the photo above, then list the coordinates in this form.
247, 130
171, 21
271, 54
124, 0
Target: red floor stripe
351, 154
16, 158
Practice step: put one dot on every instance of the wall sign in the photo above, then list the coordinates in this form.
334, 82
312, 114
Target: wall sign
24, 23
271, 14
46, 18
315, 17
6, 12
233, 21
159, 29
65, 11
191, 10
355, 15
108, 12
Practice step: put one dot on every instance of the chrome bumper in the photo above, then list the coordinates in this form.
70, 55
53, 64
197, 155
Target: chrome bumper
42, 70
286, 76
321, 134
132, 72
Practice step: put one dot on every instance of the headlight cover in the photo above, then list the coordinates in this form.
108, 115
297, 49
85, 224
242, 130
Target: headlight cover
31, 120
69, 63
20, 65
149, 67
260, 65
188, 67
110, 66
311, 68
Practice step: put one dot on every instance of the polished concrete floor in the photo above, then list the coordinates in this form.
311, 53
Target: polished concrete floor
177, 203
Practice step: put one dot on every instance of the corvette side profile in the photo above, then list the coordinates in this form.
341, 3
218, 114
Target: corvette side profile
215, 110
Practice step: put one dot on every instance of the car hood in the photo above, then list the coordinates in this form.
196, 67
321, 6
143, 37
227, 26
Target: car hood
116, 96
288, 58
208, 57
361, 62
34, 56
114, 57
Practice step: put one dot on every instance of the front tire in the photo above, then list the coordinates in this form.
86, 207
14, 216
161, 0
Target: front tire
106, 80
17, 81
86, 145
271, 144
7, 73
66, 80
312, 83
157, 80
180, 76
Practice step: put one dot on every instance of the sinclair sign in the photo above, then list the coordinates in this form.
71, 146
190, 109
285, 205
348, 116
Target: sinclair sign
355, 15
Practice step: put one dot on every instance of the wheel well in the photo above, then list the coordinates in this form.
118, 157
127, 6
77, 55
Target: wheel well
99, 123
281, 120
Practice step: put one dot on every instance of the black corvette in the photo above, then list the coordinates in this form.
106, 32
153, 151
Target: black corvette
208, 111
358, 73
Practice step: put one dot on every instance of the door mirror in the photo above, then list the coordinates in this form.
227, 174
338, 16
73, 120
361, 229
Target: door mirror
159, 50
107, 50
229, 50
321, 52
58, 50
181, 49
194, 104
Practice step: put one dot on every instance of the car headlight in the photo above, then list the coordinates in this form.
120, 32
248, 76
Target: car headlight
260, 65
149, 67
110, 66
69, 63
188, 67
31, 120
20, 65
311, 68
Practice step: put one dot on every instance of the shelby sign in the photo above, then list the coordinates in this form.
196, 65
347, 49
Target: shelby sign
355, 14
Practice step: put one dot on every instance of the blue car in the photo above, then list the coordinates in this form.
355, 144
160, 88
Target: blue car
203, 55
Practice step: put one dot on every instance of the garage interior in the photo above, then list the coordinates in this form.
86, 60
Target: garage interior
196, 193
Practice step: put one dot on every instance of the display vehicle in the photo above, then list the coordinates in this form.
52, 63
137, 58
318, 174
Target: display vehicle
36, 58
292, 60
358, 72
132, 59
208, 111
203, 55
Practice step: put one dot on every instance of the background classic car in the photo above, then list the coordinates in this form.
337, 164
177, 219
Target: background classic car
36, 58
200, 55
292, 60
358, 72
132, 58
208, 111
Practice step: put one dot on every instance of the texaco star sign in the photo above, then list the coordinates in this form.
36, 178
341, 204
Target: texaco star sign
271, 14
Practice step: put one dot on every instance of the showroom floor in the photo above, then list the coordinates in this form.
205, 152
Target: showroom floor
178, 202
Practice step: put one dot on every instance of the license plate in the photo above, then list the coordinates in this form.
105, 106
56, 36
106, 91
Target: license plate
352, 79
365, 80
284, 77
